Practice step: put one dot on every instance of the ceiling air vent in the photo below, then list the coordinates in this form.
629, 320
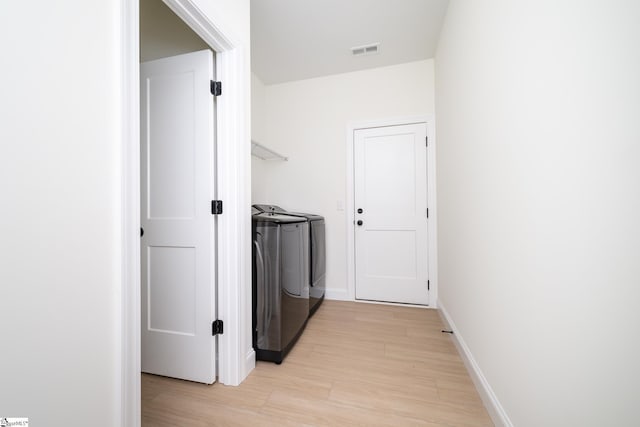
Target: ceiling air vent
369, 49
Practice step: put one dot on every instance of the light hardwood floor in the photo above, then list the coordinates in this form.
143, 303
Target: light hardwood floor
355, 364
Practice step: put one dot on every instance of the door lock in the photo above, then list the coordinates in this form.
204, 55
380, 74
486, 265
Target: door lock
359, 222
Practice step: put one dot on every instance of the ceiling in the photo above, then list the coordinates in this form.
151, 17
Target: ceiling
301, 39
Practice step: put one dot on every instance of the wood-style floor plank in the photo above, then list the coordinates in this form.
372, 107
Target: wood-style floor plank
356, 364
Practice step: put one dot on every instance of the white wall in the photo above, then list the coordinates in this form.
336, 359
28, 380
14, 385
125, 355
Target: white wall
60, 217
307, 121
259, 134
539, 203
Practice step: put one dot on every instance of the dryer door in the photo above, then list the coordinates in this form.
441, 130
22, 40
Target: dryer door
318, 253
293, 262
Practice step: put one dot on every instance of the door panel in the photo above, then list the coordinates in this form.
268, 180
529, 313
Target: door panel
390, 188
178, 245
171, 308
389, 167
171, 157
384, 263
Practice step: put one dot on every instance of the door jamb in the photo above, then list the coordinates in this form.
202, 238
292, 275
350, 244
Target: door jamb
432, 254
235, 355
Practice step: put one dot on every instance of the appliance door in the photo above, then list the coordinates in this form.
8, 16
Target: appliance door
261, 315
318, 255
292, 260
294, 244
268, 304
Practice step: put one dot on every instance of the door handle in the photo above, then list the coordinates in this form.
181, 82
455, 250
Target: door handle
141, 231
359, 222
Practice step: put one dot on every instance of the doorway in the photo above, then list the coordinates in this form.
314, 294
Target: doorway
390, 198
236, 357
391, 246
178, 230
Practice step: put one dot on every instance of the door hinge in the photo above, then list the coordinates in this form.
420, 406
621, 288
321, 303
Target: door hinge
216, 88
426, 140
428, 285
217, 327
427, 213
216, 207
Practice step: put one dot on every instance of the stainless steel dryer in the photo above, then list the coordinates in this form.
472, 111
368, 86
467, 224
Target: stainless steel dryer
280, 283
317, 253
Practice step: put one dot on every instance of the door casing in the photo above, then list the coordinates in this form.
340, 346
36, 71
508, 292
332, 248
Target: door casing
350, 293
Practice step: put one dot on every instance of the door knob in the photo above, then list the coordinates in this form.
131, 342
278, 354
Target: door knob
359, 210
359, 222
141, 231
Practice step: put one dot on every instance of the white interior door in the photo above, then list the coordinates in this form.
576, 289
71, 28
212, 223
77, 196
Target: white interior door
390, 201
178, 244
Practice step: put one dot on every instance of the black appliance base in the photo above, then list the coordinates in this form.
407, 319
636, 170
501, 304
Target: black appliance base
314, 304
277, 356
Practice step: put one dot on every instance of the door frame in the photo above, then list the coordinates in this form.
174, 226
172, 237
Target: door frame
432, 254
236, 357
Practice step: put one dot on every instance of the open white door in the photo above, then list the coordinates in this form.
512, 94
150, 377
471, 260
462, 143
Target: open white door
390, 201
178, 242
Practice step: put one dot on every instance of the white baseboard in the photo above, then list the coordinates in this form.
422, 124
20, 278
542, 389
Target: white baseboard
344, 295
338, 294
249, 363
491, 403
397, 304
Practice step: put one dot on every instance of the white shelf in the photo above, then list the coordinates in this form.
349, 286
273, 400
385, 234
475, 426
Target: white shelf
264, 153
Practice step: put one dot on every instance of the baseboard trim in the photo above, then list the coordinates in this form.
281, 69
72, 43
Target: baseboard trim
249, 363
397, 304
490, 400
337, 294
